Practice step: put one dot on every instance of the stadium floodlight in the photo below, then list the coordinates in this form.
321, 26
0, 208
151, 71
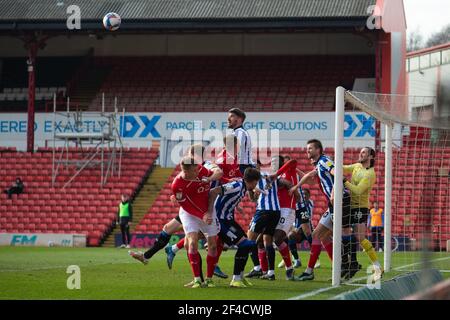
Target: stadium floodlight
412, 185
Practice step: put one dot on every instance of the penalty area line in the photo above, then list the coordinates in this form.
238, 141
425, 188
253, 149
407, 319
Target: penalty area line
324, 289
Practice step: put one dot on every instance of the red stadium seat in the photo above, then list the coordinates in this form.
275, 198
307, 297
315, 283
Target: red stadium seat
46, 209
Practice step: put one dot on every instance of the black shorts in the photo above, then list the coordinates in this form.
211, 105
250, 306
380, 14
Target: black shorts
302, 216
178, 219
359, 215
265, 222
124, 220
230, 232
346, 211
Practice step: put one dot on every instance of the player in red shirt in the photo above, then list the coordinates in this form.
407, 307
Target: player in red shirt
227, 158
288, 203
191, 190
227, 162
174, 225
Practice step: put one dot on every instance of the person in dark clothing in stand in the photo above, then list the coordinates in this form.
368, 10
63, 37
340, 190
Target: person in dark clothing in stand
16, 188
124, 217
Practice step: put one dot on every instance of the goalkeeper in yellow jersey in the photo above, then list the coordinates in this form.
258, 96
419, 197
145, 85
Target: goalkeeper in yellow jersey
360, 185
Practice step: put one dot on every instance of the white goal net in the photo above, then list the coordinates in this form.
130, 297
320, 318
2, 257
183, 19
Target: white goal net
408, 223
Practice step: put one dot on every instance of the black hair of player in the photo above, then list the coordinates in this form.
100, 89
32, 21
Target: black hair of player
252, 174
372, 153
238, 112
281, 161
317, 144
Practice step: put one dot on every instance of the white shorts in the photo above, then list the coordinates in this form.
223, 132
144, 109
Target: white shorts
287, 219
327, 220
192, 223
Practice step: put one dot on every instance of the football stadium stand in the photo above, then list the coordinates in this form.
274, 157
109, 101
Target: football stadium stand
53, 76
192, 84
84, 207
198, 84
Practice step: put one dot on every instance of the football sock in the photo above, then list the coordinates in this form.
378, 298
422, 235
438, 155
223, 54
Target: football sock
285, 254
328, 245
255, 259
178, 246
241, 256
210, 264
270, 252
219, 249
161, 242
194, 261
353, 249
345, 249
316, 247
263, 259
293, 248
200, 262
370, 251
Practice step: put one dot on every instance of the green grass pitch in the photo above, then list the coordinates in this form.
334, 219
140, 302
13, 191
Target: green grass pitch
107, 273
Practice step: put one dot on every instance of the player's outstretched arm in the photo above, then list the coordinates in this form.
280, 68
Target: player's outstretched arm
213, 193
360, 188
308, 178
300, 172
291, 164
347, 168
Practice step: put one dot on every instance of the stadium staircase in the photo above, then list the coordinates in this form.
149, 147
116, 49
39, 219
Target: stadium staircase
84, 207
143, 200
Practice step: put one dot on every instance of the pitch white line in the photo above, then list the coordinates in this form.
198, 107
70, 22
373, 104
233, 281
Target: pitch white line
356, 284
324, 289
413, 264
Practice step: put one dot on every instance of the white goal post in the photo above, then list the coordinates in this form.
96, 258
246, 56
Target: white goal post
399, 111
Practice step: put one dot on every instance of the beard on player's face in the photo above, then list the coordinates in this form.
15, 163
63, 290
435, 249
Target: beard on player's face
363, 157
231, 121
250, 185
312, 153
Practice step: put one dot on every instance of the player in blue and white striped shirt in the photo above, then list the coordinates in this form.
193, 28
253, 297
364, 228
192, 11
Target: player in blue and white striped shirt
223, 200
324, 170
230, 196
268, 199
236, 118
264, 222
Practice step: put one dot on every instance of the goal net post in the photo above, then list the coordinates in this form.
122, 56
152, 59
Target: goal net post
412, 185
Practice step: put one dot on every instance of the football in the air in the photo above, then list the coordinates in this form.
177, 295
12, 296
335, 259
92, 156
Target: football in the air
111, 21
